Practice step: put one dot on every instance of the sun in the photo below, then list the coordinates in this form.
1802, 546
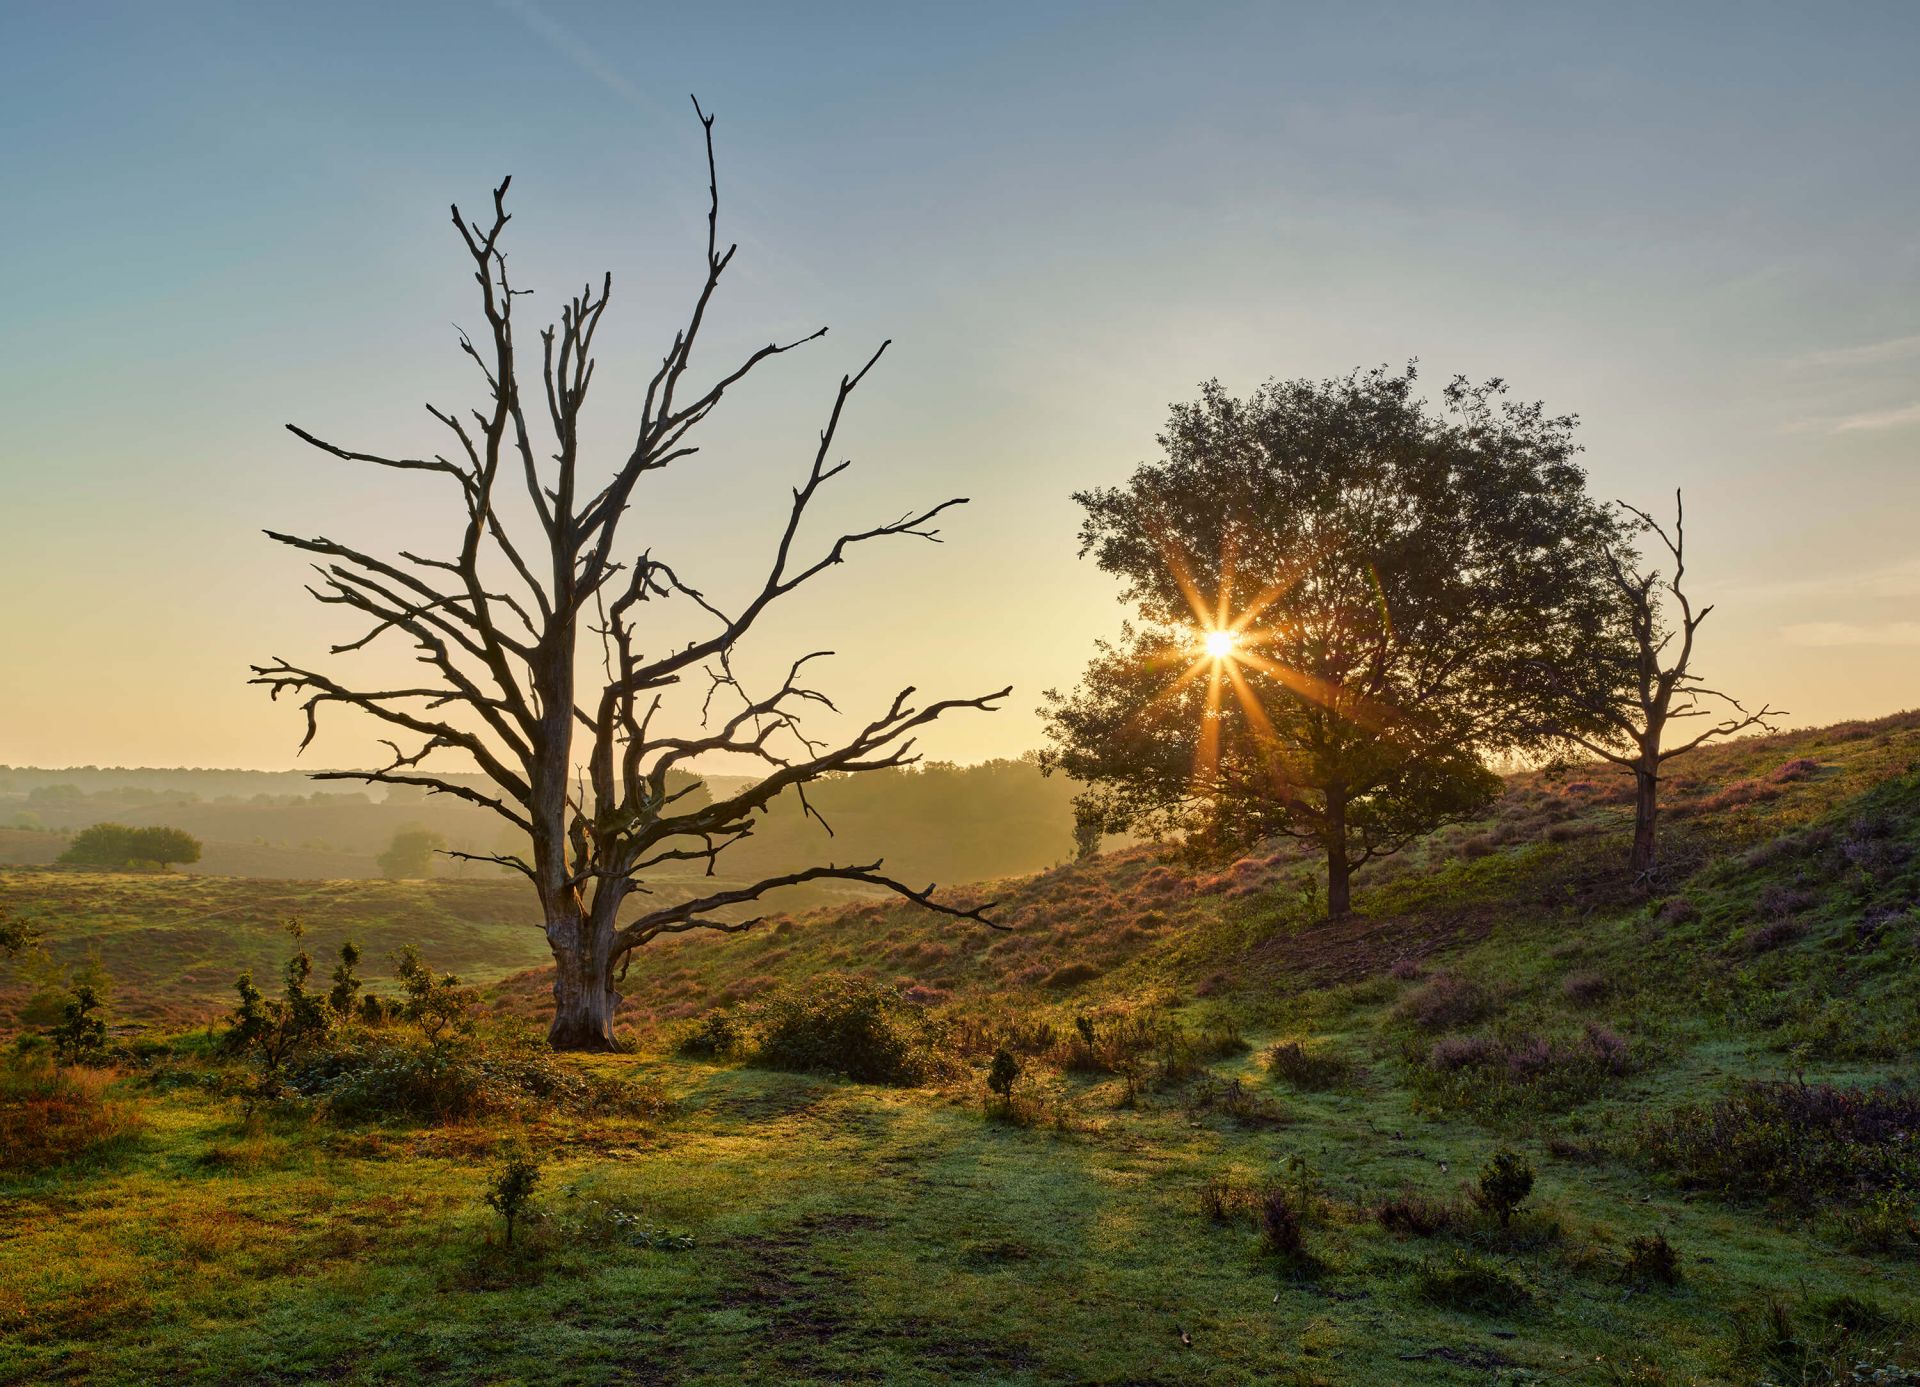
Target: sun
1219, 644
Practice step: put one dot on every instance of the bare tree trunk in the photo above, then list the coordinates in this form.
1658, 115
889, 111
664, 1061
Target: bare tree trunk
583, 995
1646, 809
1339, 871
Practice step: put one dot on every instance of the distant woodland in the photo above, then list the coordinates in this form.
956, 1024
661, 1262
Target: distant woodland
932, 822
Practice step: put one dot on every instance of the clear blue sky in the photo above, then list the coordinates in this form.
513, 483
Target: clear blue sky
1697, 226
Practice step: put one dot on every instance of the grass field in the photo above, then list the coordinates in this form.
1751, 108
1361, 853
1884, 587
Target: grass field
1504, 987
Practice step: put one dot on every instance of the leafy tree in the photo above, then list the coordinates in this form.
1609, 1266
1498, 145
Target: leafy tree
1505, 1183
410, 855
117, 845
271, 1029
1345, 600
1652, 685
436, 1003
538, 626
515, 1177
341, 997
16, 936
81, 1033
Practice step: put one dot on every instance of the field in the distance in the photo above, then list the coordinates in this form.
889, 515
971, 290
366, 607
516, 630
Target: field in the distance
1503, 985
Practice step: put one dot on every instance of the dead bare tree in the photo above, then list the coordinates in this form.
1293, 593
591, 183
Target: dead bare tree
500, 624
1651, 695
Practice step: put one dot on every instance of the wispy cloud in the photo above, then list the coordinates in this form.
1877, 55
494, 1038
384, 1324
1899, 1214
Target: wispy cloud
1898, 579
1877, 419
1830, 633
1866, 354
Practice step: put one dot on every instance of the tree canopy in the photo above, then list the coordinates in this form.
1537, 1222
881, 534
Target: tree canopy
1346, 599
117, 845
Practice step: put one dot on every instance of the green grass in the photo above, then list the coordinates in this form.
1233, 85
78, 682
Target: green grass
847, 1232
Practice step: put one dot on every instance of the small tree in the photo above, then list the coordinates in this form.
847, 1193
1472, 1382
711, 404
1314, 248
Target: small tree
515, 1177
271, 1029
1504, 1185
436, 1003
1650, 684
410, 855
1002, 1075
341, 997
81, 1033
1343, 598
16, 936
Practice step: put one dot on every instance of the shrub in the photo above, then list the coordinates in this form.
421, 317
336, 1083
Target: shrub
510, 1188
1280, 1223
49, 1115
1309, 1070
1002, 1074
1237, 1102
1677, 910
1650, 1257
116, 845
839, 1024
1407, 970
1415, 1214
1504, 1185
1584, 989
1473, 1284
1445, 1000
1072, 975
1774, 934
1521, 1070
375, 1077
437, 1004
1796, 1142
716, 1035
80, 1035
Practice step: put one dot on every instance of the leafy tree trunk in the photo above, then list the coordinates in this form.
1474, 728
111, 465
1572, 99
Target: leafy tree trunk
1339, 870
1646, 809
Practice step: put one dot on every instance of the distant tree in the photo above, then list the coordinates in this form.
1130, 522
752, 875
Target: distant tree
1344, 602
1650, 684
539, 563
117, 845
410, 855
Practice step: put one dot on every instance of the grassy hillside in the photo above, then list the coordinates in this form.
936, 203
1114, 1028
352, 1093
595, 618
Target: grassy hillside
1255, 1162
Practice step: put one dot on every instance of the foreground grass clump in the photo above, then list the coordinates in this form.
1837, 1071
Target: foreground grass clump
1793, 1142
50, 1114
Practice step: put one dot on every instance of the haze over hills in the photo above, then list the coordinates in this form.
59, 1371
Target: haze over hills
934, 822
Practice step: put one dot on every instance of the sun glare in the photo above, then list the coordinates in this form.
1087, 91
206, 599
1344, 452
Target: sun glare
1218, 644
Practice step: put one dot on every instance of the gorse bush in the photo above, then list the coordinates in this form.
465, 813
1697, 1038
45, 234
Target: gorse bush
80, 1035
1795, 1142
1505, 1183
838, 1024
1309, 1070
1651, 1258
372, 1076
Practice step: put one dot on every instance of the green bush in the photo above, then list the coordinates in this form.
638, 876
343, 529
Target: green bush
1504, 1184
1473, 1284
510, 1189
838, 1024
374, 1075
719, 1034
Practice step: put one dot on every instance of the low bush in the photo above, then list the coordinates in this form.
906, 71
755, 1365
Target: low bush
1234, 1100
1446, 1000
1417, 1215
1494, 1075
49, 1114
1650, 1257
1473, 1284
374, 1076
1504, 1185
718, 1034
1309, 1070
1585, 988
839, 1024
1794, 1142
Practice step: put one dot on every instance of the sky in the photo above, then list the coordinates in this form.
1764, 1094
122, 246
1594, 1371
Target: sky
1697, 227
